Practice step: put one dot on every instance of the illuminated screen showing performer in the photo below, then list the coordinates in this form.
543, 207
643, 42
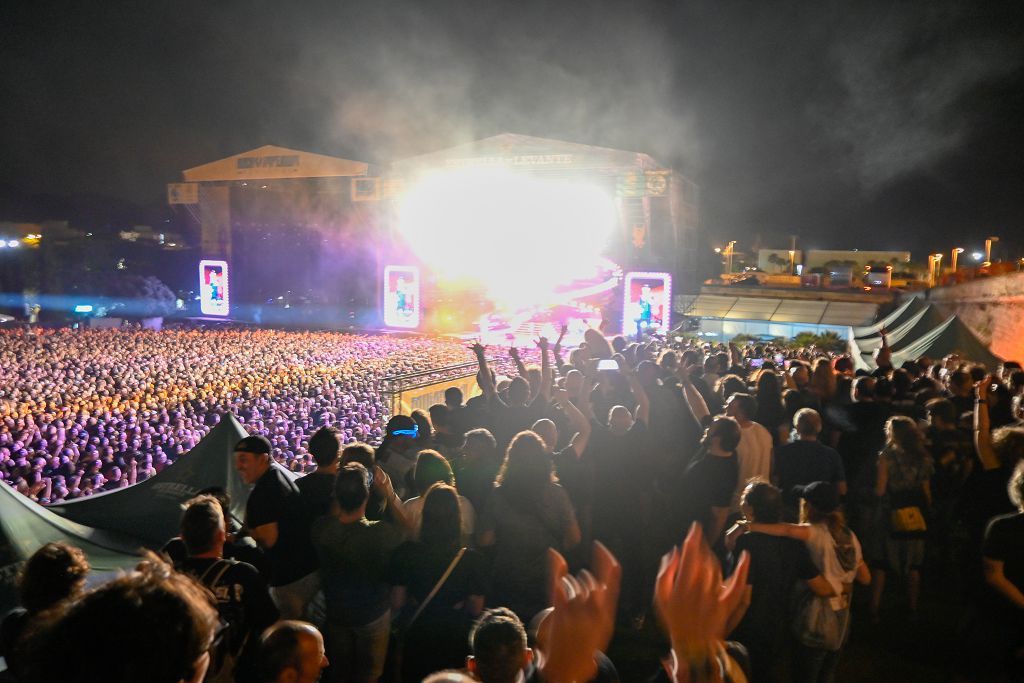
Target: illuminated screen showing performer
646, 306
402, 296
213, 287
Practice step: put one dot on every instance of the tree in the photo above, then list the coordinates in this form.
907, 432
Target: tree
777, 260
137, 296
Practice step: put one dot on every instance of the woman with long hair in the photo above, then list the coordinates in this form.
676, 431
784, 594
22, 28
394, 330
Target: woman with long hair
771, 413
528, 513
438, 638
432, 468
835, 550
902, 486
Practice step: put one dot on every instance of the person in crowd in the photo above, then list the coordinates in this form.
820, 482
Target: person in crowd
806, 460
317, 487
432, 468
706, 488
354, 554
242, 597
623, 472
903, 485
54, 573
835, 550
1003, 561
477, 467
500, 653
754, 452
519, 409
435, 623
164, 623
771, 413
396, 454
277, 519
448, 440
861, 428
528, 513
291, 652
776, 565
237, 546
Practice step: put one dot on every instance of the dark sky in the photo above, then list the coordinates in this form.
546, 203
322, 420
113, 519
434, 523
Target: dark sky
856, 124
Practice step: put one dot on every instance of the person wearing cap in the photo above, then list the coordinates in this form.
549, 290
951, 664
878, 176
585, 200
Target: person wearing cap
277, 519
836, 552
396, 454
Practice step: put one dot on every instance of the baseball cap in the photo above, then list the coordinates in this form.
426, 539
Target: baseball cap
254, 444
823, 495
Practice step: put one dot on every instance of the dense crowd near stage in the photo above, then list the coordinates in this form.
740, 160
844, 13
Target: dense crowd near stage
583, 494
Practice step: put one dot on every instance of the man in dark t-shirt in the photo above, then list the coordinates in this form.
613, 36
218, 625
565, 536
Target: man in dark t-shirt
317, 487
278, 521
355, 554
705, 492
243, 600
806, 460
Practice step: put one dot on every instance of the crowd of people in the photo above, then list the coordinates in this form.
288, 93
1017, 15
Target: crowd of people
92, 410
522, 527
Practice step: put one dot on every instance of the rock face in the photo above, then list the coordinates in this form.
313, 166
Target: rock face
992, 307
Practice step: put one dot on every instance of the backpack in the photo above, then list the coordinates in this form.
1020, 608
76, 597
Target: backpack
223, 657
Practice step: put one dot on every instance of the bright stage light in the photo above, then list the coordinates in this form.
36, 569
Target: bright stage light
516, 236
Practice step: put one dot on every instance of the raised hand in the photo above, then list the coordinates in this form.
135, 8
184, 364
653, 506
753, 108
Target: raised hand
542, 344
694, 606
582, 619
479, 349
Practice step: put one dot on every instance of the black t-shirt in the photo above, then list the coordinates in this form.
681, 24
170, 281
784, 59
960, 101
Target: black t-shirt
317, 490
622, 477
244, 550
1004, 541
276, 499
418, 567
708, 483
243, 600
475, 479
803, 462
776, 564
862, 427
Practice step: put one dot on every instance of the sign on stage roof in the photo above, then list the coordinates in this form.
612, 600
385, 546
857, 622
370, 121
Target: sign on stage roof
524, 151
274, 163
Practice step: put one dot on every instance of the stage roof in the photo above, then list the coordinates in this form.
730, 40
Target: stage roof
275, 163
527, 152
780, 310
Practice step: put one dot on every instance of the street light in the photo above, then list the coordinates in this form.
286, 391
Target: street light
729, 251
792, 261
935, 261
956, 252
988, 250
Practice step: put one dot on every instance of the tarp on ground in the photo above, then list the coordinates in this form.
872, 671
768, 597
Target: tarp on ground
151, 510
898, 316
25, 526
952, 336
905, 331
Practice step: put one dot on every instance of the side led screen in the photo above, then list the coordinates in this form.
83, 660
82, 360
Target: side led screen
646, 304
402, 296
213, 287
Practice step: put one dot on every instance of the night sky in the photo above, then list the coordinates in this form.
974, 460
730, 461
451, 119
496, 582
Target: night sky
856, 124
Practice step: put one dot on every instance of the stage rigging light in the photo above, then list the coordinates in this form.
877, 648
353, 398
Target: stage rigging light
515, 235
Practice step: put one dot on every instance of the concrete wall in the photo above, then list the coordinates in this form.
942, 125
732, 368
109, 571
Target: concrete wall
992, 307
